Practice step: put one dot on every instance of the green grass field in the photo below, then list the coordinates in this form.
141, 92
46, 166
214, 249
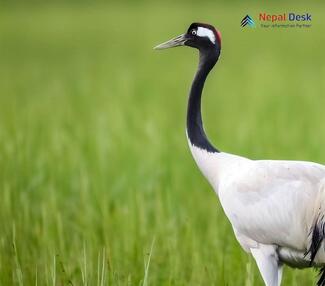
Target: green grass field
97, 185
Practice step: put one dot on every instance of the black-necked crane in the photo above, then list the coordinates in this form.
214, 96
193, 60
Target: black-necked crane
276, 208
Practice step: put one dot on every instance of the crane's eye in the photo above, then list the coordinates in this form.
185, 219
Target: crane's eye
193, 32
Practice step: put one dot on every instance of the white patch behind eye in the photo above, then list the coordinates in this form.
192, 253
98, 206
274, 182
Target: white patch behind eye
204, 32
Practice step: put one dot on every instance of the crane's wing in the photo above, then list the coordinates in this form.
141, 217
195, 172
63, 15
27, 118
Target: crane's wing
272, 202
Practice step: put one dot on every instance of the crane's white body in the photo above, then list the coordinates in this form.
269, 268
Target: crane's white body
271, 205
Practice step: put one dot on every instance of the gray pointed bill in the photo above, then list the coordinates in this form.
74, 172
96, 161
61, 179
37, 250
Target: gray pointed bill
175, 42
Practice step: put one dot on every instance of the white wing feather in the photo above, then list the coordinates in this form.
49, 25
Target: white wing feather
271, 202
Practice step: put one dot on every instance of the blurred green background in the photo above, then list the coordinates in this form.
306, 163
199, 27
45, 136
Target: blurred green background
97, 184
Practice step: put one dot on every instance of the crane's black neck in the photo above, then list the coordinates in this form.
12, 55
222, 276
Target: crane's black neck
195, 130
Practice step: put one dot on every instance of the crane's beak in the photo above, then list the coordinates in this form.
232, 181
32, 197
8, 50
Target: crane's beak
175, 42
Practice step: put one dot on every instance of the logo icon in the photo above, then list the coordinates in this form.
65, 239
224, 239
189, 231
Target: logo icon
247, 21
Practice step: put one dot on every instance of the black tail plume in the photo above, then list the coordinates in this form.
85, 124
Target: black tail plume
321, 279
317, 237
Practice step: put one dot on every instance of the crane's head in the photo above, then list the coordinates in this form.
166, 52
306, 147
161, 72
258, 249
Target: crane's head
200, 36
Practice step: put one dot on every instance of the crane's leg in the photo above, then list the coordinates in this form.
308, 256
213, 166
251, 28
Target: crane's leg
267, 261
280, 271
